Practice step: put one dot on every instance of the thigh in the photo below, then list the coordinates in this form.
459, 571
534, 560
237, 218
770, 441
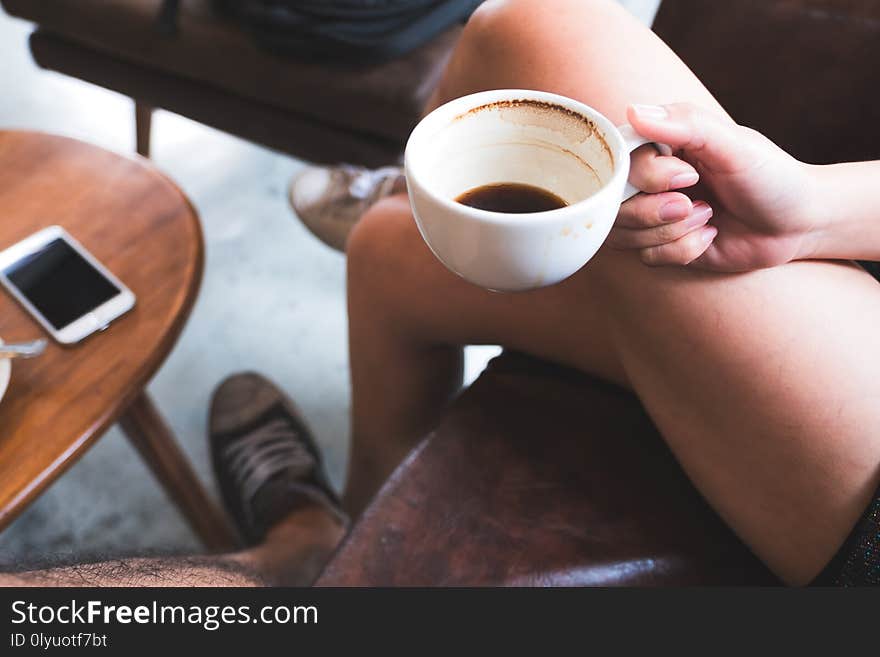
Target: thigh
765, 387
592, 50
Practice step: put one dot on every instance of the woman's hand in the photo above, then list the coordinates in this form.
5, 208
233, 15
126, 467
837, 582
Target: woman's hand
751, 205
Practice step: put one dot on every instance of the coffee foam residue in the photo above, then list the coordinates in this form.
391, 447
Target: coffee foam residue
586, 164
524, 111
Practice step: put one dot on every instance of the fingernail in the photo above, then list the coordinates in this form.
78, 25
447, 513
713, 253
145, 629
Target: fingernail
685, 179
708, 234
701, 213
650, 112
674, 210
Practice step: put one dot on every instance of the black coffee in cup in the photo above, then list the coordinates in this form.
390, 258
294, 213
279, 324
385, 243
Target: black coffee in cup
511, 198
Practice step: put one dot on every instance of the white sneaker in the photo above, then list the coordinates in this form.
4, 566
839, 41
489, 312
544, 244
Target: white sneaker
331, 200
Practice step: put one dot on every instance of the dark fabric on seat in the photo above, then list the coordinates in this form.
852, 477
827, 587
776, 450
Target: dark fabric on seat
346, 31
539, 475
384, 100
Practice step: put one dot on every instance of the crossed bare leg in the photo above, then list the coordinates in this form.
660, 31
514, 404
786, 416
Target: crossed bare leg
763, 384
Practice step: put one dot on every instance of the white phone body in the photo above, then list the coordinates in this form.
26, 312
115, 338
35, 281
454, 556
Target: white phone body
92, 319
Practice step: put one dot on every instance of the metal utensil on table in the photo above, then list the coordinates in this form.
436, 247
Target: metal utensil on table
23, 349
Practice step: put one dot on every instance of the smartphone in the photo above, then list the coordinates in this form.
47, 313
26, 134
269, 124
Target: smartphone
62, 285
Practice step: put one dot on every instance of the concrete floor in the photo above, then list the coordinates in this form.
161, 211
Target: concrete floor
272, 300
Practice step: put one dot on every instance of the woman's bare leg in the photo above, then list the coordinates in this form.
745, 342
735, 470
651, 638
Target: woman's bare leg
764, 384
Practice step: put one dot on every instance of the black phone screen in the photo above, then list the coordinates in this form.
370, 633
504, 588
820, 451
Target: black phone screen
61, 284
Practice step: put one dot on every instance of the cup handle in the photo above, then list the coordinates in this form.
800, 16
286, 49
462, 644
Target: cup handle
633, 140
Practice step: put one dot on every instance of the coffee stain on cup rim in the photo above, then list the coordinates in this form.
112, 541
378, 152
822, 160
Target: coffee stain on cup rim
575, 126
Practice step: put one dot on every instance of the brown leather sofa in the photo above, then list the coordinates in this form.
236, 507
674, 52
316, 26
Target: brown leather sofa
537, 474
212, 72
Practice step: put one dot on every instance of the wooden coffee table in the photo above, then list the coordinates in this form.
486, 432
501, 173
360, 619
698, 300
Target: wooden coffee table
142, 227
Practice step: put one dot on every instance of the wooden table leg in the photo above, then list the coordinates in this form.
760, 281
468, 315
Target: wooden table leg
151, 436
143, 123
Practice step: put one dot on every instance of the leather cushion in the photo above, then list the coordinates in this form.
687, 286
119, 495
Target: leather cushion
541, 475
384, 100
284, 130
803, 72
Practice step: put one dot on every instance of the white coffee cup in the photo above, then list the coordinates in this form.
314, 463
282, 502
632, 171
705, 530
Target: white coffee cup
518, 136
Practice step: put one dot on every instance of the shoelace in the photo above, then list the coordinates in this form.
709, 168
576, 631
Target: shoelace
263, 453
371, 184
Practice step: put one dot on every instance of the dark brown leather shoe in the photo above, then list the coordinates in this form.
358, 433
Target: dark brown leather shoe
266, 462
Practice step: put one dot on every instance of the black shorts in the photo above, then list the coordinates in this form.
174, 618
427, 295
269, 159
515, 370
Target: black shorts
857, 562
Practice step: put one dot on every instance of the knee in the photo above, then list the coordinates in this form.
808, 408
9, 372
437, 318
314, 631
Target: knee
495, 27
380, 250
521, 26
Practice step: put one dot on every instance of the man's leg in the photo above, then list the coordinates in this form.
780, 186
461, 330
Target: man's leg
293, 554
275, 489
763, 384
